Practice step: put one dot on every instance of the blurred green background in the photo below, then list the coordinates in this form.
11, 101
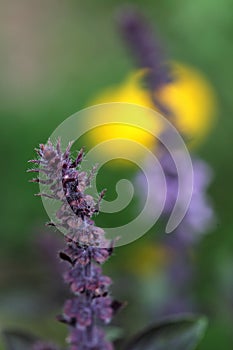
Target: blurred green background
55, 57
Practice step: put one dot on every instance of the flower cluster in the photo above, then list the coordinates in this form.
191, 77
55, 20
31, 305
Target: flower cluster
86, 247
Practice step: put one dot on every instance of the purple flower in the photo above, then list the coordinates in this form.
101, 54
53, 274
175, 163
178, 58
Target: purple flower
78, 311
84, 254
103, 308
95, 341
197, 221
199, 217
141, 41
96, 282
145, 49
91, 303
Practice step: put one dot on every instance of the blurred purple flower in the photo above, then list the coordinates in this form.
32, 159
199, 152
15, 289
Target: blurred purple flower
199, 217
147, 51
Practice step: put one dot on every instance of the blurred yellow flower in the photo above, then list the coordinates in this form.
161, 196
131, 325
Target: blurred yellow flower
189, 97
130, 92
192, 101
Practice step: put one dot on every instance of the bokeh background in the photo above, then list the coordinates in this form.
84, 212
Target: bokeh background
56, 56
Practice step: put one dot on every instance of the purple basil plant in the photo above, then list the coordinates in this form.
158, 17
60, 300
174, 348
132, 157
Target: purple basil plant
86, 248
147, 53
146, 50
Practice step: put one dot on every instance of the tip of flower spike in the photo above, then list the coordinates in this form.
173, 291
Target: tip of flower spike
132, 22
49, 143
128, 17
58, 146
79, 158
33, 170
35, 161
102, 193
67, 151
39, 150
44, 195
144, 46
101, 196
36, 180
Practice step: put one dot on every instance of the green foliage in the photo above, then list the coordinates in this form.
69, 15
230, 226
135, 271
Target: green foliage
183, 333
